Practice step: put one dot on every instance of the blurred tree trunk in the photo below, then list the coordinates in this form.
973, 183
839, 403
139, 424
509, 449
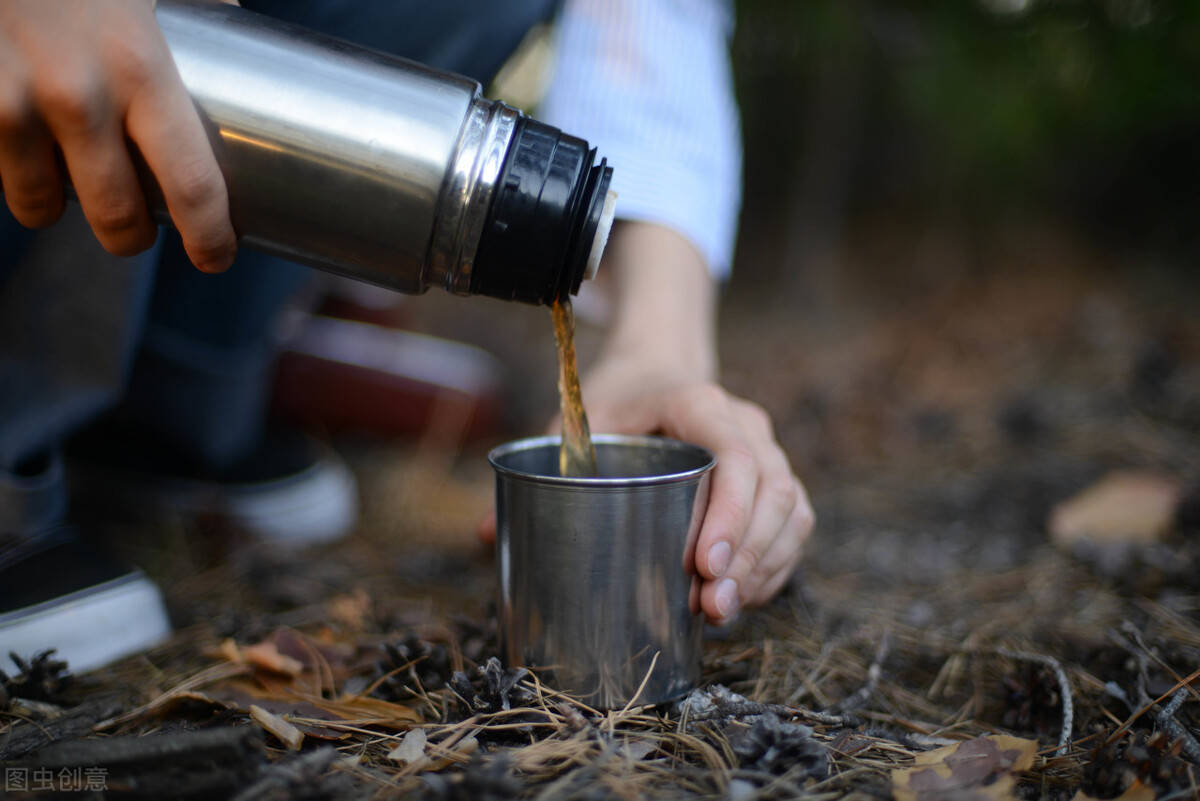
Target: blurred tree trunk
829, 146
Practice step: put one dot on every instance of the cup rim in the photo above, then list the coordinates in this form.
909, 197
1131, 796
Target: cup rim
641, 440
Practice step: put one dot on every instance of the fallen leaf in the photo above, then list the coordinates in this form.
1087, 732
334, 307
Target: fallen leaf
411, 750
288, 734
229, 651
1126, 506
266, 655
1134, 792
982, 769
351, 610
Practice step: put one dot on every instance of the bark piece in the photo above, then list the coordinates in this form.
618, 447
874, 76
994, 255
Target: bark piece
287, 734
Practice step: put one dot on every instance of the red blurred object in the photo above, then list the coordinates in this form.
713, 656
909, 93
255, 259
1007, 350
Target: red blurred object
348, 375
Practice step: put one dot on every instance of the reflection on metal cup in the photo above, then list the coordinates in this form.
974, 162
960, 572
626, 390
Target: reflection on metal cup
597, 587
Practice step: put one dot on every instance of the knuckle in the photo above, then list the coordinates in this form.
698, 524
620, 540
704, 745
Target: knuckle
129, 243
741, 459
214, 256
699, 398
782, 493
773, 584
14, 109
709, 394
735, 515
36, 204
197, 185
748, 558
728, 522
134, 66
73, 97
806, 519
756, 415
119, 217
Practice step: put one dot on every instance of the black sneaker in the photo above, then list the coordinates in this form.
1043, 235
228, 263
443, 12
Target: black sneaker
289, 491
58, 592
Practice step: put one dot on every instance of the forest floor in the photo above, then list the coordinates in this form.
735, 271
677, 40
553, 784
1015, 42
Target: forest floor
941, 398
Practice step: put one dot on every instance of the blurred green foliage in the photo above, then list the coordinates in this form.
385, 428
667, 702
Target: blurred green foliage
988, 102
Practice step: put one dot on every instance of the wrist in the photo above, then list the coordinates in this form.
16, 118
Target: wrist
666, 353
663, 313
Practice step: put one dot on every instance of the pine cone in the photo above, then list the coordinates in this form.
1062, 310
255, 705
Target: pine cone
44, 678
777, 747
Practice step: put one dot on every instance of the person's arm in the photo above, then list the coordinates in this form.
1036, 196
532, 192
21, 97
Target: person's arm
648, 82
657, 373
90, 79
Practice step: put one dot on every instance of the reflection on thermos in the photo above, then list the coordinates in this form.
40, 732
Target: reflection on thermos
384, 170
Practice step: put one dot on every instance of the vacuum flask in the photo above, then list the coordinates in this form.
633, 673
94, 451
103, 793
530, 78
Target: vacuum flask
384, 170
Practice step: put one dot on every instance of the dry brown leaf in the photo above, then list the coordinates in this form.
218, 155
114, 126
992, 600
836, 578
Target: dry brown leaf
1126, 506
1134, 792
351, 610
288, 734
982, 769
266, 655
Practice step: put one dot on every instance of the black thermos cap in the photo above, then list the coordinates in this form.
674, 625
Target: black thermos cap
546, 209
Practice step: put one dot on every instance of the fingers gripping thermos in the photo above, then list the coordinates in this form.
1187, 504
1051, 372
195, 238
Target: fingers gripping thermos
384, 170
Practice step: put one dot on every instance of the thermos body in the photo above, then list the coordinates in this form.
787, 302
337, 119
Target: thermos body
382, 169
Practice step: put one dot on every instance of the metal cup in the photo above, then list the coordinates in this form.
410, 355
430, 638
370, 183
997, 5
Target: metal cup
596, 579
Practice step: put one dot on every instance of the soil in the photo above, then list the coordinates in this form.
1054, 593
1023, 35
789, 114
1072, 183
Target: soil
939, 392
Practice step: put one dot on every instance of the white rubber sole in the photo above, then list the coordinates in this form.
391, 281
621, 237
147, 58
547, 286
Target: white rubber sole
321, 505
92, 627
317, 505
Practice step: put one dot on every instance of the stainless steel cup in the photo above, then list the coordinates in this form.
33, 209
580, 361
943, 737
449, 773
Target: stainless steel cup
596, 583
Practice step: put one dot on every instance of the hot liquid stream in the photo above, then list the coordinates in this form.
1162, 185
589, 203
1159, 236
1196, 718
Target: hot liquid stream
576, 455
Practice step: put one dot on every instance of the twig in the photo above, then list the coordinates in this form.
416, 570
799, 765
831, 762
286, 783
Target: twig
1064, 689
1168, 723
1140, 652
1150, 654
823, 718
864, 693
1118, 692
1124, 727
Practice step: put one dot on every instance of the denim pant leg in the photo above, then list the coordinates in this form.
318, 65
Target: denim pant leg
470, 37
70, 316
201, 382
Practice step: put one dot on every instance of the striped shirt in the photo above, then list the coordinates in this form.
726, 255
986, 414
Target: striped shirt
648, 83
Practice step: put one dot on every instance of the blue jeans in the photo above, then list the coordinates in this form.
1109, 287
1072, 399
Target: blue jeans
155, 343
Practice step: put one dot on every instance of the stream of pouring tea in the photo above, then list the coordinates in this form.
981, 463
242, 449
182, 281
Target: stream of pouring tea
576, 455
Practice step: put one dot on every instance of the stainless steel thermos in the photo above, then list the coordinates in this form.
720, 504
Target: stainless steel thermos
384, 170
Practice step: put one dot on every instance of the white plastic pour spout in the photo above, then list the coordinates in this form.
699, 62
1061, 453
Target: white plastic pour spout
603, 229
